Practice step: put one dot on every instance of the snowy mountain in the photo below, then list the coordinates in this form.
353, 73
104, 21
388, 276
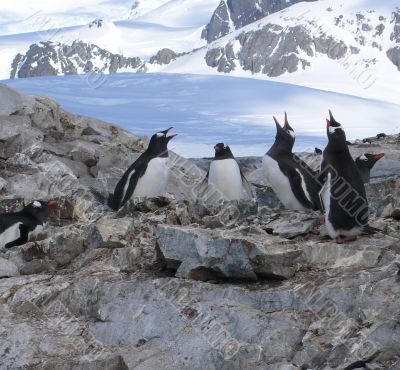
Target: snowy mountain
292, 41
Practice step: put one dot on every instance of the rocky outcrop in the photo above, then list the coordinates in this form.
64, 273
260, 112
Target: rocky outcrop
273, 50
240, 13
176, 281
53, 58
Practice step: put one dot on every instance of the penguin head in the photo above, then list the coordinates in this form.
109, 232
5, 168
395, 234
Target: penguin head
159, 142
284, 135
40, 208
222, 151
367, 161
336, 134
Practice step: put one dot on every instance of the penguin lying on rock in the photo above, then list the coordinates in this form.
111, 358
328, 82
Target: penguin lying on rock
343, 193
365, 163
292, 180
146, 177
226, 176
15, 227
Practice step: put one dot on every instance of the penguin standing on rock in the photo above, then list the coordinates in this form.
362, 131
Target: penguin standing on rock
365, 163
146, 177
292, 180
343, 193
15, 227
226, 176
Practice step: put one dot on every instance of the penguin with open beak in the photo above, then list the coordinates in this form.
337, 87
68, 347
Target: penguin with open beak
146, 177
343, 193
292, 180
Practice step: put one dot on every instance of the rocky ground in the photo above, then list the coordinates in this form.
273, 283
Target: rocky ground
175, 283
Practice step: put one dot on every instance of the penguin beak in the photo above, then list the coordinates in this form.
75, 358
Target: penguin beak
165, 132
278, 126
52, 203
378, 156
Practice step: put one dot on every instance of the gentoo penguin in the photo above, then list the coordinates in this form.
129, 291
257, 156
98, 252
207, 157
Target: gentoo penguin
15, 227
381, 136
343, 193
317, 151
146, 177
365, 163
226, 176
292, 180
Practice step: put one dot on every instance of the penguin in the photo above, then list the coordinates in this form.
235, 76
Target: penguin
381, 136
146, 177
292, 180
15, 227
317, 151
367, 141
365, 163
225, 175
343, 192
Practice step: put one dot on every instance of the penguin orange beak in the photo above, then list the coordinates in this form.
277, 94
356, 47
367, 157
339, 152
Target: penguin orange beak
52, 203
378, 156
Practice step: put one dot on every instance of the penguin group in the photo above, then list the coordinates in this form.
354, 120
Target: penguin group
337, 189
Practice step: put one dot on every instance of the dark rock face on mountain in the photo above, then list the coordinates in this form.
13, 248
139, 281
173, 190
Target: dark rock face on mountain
53, 58
241, 13
174, 282
394, 53
273, 50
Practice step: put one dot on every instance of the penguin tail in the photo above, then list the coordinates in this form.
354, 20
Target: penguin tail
100, 198
370, 230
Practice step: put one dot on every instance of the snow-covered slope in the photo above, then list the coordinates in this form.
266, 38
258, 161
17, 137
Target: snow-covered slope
350, 46
208, 109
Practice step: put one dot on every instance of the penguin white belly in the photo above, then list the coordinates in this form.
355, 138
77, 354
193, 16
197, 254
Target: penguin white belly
154, 181
280, 184
225, 176
10, 234
325, 195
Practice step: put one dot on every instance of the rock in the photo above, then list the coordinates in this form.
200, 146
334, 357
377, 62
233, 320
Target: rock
7, 268
396, 214
111, 363
207, 255
163, 56
69, 242
296, 224
53, 58
126, 259
37, 267
240, 13
116, 233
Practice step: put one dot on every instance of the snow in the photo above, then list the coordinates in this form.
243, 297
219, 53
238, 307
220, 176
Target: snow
206, 109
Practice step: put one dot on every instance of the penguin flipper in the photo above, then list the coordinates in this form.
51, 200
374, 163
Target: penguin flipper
246, 185
127, 184
23, 239
296, 184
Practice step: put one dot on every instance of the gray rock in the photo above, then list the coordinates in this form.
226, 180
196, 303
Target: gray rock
116, 233
207, 255
240, 13
7, 268
54, 58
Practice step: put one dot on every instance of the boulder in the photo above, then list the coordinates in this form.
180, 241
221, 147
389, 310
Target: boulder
211, 254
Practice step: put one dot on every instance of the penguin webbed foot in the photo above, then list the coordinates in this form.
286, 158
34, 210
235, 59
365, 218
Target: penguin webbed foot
344, 239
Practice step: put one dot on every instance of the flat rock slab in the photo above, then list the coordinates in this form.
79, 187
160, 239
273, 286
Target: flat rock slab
209, 254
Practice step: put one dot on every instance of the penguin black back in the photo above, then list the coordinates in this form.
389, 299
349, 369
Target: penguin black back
365, 163
16, 226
